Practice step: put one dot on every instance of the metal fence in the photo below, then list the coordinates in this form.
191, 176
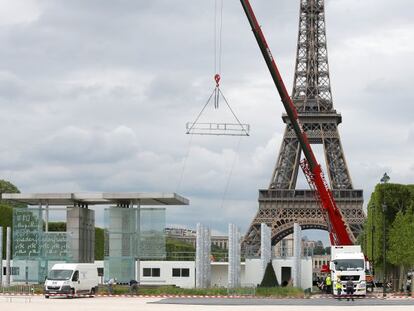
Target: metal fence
17, 290
244, 290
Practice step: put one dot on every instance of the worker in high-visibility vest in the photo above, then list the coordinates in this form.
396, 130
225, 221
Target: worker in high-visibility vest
328, 283
338, 287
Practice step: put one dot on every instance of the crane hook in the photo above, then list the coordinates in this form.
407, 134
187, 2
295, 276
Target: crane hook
217, 79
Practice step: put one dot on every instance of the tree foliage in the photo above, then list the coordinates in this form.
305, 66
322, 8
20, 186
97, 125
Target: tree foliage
99, 243
6, 209
99, 237
269, 277
8, 187
319, 250
177, 249
6, 220
56, 226
401, 240
390, 205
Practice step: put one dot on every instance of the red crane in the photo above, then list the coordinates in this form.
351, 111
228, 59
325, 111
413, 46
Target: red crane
338, 232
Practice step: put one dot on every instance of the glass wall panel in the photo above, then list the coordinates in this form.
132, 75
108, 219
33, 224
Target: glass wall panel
56, 246
152, 235
35, 251
27, 229
130, 234
121, 236
122, 269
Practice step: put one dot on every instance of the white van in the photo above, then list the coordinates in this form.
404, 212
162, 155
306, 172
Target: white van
71, 279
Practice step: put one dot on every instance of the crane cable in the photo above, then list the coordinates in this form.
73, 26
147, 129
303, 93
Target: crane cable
226, 188
180, 180
218, 30
218, 43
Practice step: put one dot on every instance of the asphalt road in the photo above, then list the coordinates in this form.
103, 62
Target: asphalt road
286, 302
38, 303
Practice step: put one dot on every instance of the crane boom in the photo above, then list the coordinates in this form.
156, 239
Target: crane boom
313, 172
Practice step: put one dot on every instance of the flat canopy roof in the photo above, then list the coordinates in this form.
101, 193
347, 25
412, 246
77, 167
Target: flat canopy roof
105, 198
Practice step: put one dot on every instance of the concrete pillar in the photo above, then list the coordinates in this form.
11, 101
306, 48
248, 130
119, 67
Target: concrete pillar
265, 246
80, 223
8, 255
207, 257
234, 257
1, 256
138, 235
47, 217
203, 251
297, 248
138, 271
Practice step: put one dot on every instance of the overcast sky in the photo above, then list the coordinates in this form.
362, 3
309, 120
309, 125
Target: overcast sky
95, 94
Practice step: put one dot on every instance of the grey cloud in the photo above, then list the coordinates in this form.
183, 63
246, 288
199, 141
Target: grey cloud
79, 70
96, 146
10, 86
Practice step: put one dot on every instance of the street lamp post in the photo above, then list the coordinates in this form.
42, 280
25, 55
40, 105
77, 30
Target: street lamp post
384, 180
372, 238
384, 253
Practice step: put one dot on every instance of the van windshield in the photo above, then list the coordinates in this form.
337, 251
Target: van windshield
59, 275
349, 264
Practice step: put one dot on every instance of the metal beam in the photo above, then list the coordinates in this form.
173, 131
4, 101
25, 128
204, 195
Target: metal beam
8, 255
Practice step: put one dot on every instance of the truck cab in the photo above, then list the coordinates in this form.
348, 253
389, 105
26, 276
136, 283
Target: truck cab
348, 262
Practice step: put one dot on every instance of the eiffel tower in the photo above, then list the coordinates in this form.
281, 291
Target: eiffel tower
281, 205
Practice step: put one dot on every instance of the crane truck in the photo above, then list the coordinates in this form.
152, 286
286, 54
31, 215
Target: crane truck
347, 259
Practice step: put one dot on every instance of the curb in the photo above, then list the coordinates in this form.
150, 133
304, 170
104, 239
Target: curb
375, 296
174, 296
146, 296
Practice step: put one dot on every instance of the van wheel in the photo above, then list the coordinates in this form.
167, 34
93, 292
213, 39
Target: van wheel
92, 293
72, 293
47, 297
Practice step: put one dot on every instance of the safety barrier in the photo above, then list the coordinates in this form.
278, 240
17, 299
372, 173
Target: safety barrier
244, 290
17, 290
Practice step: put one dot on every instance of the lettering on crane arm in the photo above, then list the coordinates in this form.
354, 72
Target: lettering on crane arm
269, 53
300, 126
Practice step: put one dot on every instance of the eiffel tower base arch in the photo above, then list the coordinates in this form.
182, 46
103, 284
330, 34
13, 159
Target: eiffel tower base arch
280, 209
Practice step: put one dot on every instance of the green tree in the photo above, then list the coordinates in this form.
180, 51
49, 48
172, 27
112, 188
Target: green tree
56, 226
401, 240
218, 253
269, 277
8, 187
396, 198
180, 250
390, 204
6, 220
319, 250
6, 209
327, 250
99, 237
99, 243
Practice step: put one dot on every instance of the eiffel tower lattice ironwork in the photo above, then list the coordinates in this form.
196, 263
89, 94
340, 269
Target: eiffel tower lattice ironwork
281, 205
